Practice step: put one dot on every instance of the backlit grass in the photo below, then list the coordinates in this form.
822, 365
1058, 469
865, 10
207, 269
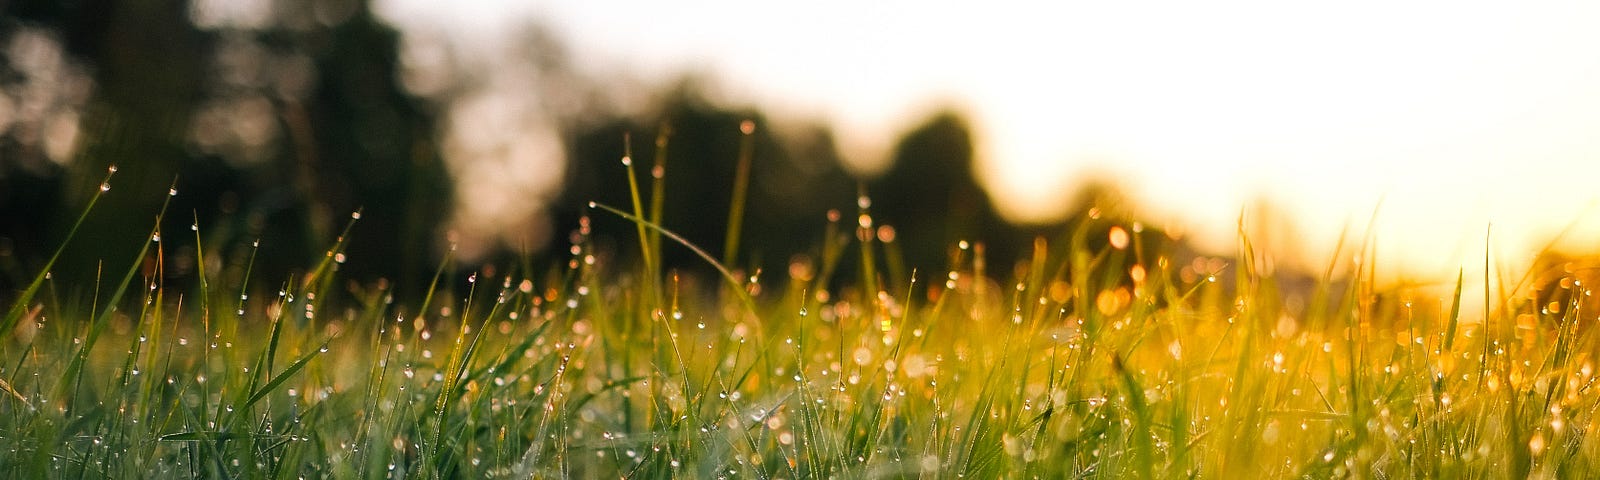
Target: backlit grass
1082, 364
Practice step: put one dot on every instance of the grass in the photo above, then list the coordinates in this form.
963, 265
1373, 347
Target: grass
598, 369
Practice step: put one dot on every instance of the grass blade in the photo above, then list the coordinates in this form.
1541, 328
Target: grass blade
278, 380
15, 313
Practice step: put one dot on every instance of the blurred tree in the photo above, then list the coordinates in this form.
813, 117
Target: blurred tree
794, 181
42, 91
361, 141
931, 196
131, 103
277, 122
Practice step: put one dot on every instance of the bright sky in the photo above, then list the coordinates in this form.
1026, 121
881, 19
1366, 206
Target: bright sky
1453, 114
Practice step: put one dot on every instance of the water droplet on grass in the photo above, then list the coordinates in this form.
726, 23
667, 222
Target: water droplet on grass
1118, 237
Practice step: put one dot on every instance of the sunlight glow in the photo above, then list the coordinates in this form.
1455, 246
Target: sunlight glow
1451, 115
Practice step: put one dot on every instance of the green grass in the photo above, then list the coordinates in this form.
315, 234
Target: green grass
597, 370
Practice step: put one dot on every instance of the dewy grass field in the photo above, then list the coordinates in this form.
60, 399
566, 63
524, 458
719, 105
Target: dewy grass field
1068, 369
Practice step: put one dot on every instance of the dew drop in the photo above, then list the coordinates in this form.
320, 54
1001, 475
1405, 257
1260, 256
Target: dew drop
1118, 238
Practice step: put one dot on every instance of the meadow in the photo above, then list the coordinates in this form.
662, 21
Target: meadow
1114, 362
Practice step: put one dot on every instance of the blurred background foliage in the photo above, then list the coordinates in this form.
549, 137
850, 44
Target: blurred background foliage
277, 123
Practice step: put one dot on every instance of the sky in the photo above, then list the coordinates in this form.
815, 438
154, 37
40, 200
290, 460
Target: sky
1442, 117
